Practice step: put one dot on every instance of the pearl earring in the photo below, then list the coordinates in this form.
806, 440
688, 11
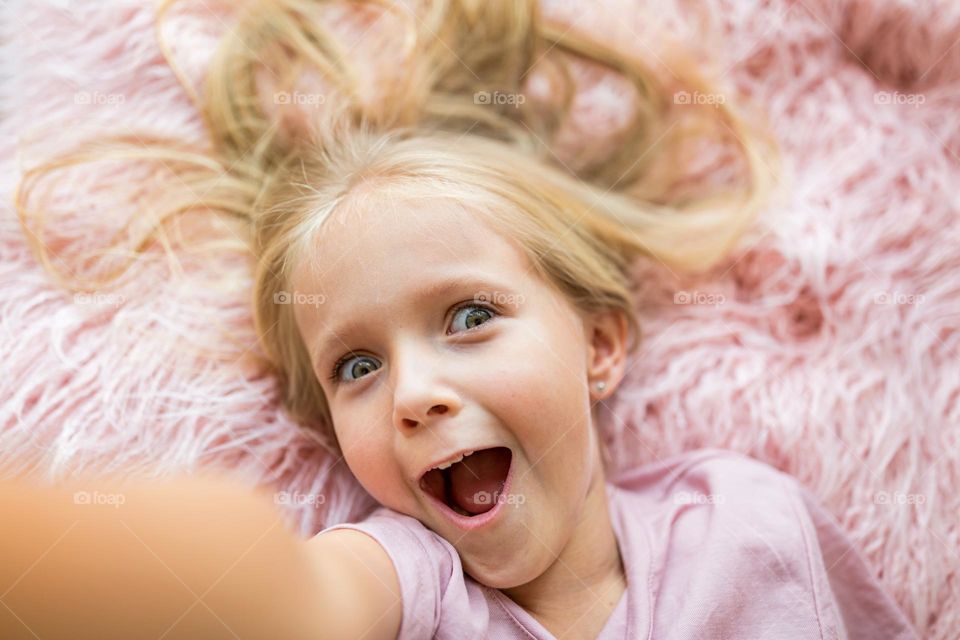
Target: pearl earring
601, 385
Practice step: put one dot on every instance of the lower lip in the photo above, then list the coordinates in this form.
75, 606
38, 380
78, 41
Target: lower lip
471, 523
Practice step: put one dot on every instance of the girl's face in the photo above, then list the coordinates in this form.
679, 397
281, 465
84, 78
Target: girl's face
432, 368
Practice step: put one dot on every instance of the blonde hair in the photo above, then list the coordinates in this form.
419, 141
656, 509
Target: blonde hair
424, 135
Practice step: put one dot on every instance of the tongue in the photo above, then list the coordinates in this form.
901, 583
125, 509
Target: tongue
476, 481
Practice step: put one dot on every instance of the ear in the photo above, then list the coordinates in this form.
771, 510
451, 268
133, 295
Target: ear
607, 334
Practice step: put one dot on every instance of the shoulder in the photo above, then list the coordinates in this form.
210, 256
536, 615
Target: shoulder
426, 566
717, 491
410, 545
400, 533
734, 531
732, 468
707, 472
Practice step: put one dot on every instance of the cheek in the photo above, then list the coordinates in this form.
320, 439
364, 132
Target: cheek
539, 392
368, 453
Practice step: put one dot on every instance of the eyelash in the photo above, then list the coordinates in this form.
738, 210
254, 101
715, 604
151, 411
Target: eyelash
335, 373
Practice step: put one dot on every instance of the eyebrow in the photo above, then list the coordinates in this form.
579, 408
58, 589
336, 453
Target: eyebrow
439, 288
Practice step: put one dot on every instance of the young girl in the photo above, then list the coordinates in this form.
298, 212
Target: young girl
446, 298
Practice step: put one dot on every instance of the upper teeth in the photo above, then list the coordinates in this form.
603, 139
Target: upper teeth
447, 465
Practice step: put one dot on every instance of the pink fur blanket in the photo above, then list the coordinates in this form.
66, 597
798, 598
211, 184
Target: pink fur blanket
827, 346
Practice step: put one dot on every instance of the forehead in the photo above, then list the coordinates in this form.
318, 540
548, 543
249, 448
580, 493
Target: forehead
391, 249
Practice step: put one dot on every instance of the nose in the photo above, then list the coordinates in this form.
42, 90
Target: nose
420, 395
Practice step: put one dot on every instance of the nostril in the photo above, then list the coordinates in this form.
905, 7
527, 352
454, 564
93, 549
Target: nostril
437, 409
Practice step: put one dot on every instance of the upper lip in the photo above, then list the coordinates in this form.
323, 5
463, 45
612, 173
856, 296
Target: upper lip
455, 456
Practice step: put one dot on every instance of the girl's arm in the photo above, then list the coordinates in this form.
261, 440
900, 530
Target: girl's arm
361, 582
189, 558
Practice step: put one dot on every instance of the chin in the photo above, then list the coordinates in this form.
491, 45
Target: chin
499, 573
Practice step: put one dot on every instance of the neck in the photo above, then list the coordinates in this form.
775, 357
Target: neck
589, 565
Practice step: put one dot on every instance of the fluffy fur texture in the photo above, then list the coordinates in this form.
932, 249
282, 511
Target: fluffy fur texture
827, 347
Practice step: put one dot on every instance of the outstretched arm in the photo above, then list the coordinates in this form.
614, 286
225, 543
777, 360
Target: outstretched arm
185, 558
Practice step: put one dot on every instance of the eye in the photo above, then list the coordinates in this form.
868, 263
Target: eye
362, 365
473, 319
335, 374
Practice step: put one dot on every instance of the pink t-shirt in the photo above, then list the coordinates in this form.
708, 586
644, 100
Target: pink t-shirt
715, 544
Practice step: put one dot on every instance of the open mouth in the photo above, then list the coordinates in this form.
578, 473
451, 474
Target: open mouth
473, 485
